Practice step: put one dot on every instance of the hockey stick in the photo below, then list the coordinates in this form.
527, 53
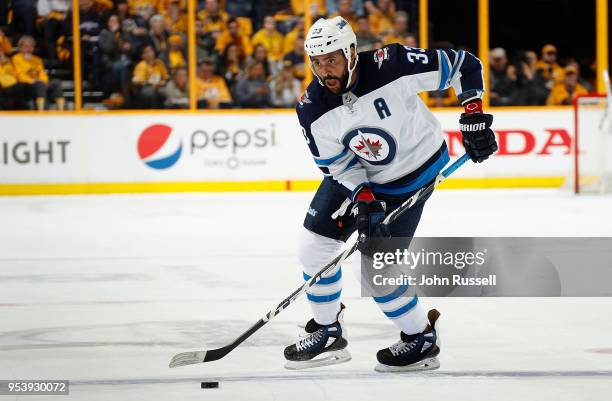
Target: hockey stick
188, 358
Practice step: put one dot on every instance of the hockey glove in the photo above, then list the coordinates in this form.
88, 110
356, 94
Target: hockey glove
478, 138
369, 214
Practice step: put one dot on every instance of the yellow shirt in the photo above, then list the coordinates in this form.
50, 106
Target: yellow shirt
289, 41
298, 6
242, 41
559, 94
178, 26
272, 42
214, 90
176, 59
162, 5
30, 70
392, 38
145, 73
103, 5
211, 25
380, 23
5, 45
8, 76
134, 5
550, 71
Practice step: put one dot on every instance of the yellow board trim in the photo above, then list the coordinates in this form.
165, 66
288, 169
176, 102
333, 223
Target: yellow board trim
252, 186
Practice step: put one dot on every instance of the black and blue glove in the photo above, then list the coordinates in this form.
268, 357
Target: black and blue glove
478, 137
369, 213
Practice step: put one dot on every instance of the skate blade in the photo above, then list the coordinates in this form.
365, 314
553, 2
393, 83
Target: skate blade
425, 364
325, 359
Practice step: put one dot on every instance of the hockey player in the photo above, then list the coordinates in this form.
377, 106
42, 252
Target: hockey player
376, 143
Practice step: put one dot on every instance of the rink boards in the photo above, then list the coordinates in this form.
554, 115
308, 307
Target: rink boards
240, 151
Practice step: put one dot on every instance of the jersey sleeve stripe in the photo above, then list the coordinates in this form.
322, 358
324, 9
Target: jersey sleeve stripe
458, 62
330, 160
444, 69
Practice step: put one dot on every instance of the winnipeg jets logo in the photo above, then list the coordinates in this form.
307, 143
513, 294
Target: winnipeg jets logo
371, 144
368, 147
304, 99
381, 55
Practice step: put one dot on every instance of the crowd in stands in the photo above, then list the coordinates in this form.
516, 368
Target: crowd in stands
249, 54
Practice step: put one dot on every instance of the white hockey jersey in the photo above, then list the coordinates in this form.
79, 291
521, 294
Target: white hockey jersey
380, 133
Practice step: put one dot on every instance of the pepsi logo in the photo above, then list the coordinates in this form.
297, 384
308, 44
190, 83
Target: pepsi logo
158, 148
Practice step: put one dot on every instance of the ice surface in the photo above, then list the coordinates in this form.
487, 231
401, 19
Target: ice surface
104, 290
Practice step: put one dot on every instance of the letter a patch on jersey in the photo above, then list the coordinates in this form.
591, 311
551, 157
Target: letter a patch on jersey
381, 108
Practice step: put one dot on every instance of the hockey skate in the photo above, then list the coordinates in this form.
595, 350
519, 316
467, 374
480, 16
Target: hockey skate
319, 345
414, 352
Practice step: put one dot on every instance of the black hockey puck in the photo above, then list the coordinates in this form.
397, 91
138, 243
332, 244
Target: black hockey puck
209, 385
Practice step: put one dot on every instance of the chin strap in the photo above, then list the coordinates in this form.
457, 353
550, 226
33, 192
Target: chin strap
350, 70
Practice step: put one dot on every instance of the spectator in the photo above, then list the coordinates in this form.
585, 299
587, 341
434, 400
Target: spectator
176, 53
31, 70
53, 14
133, 27
205, 43
380, 16
548, 67
365, 37
332, 6
162, 5
136, 6
285, 89
213, 18
345, 10
565, 92
270, 38
90, 28
232, 64
290, 37
399, 30
149, 76
13, 94
234, 36
158, 37
532, 87
240, 8
175, 19
260, 53
252, 91
176, 92
116, 60
211, 89
24, 16
296, 57
502, 79
410, 40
